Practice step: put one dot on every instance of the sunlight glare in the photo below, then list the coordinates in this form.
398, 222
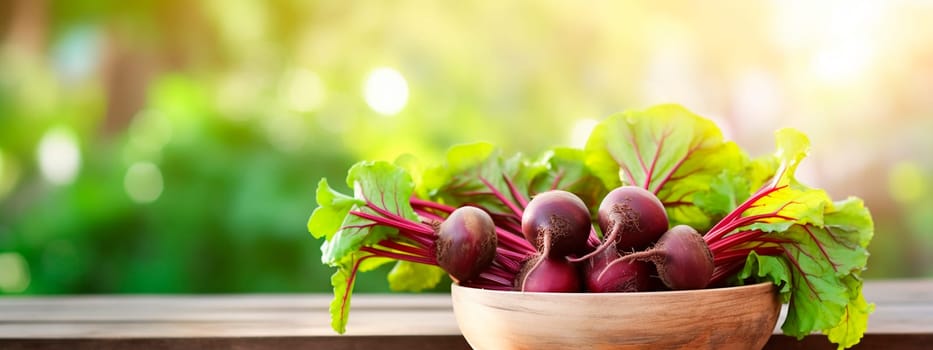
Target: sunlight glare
843, 63
386, 91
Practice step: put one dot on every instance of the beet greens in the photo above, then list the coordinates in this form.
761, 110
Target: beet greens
758, 223
797, 237
389, 219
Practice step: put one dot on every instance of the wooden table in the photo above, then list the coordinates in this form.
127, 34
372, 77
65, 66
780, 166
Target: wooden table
903, 320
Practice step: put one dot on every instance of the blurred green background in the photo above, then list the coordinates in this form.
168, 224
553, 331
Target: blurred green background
174, 146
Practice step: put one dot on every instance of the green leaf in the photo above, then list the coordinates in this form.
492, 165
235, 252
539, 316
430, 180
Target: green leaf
732, 187
416, 169
460, 180
477, 174
379, 184
793, 146
854, 321
725, 193
461, 160
812, 262
850, 217
767, 268
386, 186
760, 170
461, 163
814, 302
822, 245
818, 265
410, 277
565, 169
464, 158
669, 151
343, 281
523, 172
332, 208
788, 206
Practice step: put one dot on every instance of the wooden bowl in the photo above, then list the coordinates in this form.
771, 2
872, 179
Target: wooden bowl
722, 318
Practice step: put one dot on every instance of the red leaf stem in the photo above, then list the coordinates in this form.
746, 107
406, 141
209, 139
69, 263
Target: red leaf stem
399, 256
501, 197
522, 201
418, 202
719, 230
409, 249
403, 224
495, 278
520, 244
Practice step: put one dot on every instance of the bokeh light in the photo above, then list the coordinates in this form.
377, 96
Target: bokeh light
286, 132
15, 276
149, 131
8, 175
59, 156
143, 182
386, 91
305, 90
907, 182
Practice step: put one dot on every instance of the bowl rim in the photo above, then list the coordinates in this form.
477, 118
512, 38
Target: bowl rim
692, 292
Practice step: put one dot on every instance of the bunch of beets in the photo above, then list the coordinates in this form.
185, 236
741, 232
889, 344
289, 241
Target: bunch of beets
637, 250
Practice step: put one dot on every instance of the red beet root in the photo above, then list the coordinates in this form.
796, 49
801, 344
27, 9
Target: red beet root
553, 275
557, 223
682, 258
606, 272
634, 215
631, 218
466, 243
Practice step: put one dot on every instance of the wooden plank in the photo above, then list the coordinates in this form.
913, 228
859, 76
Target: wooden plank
451, 342
871, 341
903, 318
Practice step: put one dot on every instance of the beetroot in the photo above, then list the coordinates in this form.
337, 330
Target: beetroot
466, 243
631, 218
557, 223
682, 258
606, 272
546, 274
